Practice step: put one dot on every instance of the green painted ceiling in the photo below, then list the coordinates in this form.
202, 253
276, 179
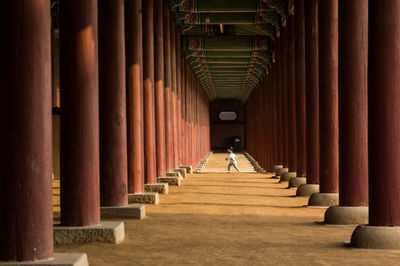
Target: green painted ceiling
230, 43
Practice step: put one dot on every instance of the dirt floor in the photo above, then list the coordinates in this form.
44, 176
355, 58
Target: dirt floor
232, 219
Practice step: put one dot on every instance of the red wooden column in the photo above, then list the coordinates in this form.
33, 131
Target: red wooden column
173, 91
300, 80
112, 104
79, 145
159, 86
353, 117
291, 102
25, 133
167, 88
383, 129
312, 100
178, 99
284, 106
278, 104
134, 90
148, 91
328, 105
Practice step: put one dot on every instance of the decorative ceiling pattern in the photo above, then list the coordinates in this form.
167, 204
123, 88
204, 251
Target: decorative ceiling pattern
229, 44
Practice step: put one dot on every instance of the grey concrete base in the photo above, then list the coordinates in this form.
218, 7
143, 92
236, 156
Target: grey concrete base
287, 176
281, 171
171, 180
182, 171
145, 198
297, 181
275, 168
323, 199
123, 212
346, 215
107, 231
376, 237
188, 168
60, 259
160, 188
307, 190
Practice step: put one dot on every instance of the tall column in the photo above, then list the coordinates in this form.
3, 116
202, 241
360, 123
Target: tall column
328, 105
79, 146
291, 103
278, 102
353, 117
134, 88
173, 91
148, 91
300, 80
283, 71
383, 129
312, 100
167, 88
159, 86
178, 99
112, 104
25, 133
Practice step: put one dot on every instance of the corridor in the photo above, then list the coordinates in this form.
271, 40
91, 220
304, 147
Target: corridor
232, 219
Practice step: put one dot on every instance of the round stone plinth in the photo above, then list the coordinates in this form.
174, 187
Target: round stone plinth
376, 237
323, 199
287, 176
275, 168
297, 181
281, 171
307, 190
346, 215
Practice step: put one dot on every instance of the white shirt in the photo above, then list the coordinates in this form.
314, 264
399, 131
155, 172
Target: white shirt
232, 157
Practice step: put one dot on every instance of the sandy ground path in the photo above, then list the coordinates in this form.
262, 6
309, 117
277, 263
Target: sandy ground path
232, 219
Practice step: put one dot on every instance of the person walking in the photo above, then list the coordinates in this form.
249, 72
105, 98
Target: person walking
232, 161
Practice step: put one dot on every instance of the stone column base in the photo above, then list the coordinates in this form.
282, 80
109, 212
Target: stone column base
160, 188
376, 237
145, 198
323, 199
280, 172
306, 190
171, 180
63, 259
287, 176
107, 231
346, 215
182, 171
123, 212
297, 181
275, 168
188, 168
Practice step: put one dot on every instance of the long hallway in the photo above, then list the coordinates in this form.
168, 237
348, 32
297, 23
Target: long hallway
232, 219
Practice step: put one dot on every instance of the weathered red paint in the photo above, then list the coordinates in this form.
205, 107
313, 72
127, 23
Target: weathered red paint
25, 133
328, 96
300, 80
159, 86
384, 113
177, 93
79, 145
134, 88
148, 92
167, 88
353, 101
173, 91
312, 90
112, 104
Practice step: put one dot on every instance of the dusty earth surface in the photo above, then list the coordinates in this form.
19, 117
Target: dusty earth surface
232, 219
